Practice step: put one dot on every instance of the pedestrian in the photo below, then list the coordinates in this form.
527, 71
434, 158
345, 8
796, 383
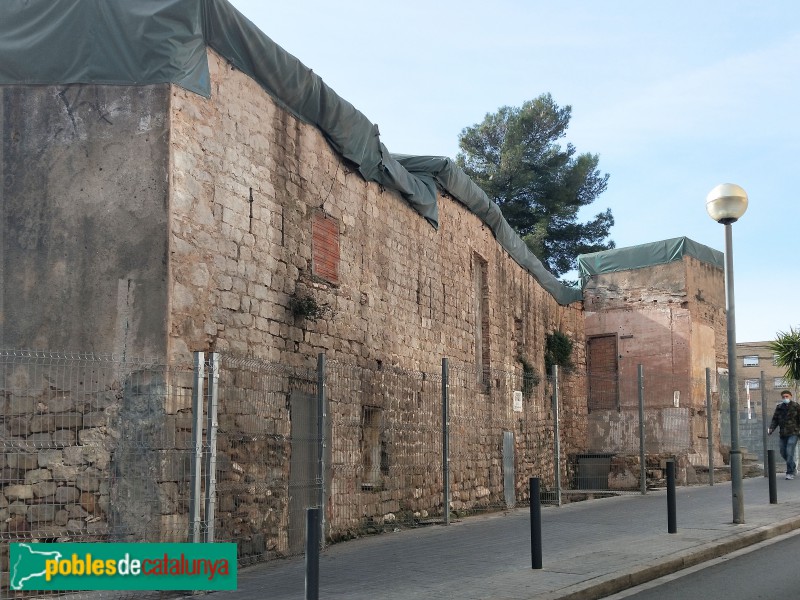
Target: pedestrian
787, 418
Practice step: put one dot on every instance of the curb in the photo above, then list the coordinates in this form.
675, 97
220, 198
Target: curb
625, 579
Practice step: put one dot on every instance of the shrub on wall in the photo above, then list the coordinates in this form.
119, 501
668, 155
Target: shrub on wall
307, 307
558, 351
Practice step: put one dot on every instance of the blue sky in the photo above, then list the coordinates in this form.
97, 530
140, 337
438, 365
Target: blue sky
675, 98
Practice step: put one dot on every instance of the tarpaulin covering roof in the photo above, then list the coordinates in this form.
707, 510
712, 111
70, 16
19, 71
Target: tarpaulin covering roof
646, 255
124, 42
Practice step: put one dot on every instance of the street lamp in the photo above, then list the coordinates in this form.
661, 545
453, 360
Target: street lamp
725, 204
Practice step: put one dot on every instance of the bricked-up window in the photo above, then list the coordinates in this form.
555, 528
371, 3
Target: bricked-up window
374, 455
481, 283
603, 372
325, 247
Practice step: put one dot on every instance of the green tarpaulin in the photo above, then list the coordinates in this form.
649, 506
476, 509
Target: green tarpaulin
127, 42
646, 255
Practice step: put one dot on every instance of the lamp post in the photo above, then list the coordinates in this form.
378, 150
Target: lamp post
725, 204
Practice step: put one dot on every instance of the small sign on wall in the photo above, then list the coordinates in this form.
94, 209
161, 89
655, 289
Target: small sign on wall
517, 397
676, 398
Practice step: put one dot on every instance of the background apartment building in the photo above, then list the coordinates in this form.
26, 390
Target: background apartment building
755, 358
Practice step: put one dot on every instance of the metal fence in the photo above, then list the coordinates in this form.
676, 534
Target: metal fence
266, 461
96, 448
385, 458
650, 418
755, 410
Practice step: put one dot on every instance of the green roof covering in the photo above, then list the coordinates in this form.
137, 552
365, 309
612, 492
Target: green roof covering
126, 42
645, 255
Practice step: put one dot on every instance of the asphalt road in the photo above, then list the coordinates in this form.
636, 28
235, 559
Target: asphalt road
768, 570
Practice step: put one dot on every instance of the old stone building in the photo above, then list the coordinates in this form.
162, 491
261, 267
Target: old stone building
225, 203
210, 193
662, 306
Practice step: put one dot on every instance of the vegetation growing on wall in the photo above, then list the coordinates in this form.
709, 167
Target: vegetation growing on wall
558, 351
306, 307
530, 378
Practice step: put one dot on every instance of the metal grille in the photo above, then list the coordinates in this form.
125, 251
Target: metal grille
385, 464
266, 473
658, 417
95, 449
501, 434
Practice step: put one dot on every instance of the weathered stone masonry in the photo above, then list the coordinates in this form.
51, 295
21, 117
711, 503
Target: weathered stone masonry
670, 318
248, 180
149, 221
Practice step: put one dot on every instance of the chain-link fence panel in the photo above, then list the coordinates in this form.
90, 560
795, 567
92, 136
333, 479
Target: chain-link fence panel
95, 449
501, 435
385, 466
755, 410
647, 418
237, 449
267, 457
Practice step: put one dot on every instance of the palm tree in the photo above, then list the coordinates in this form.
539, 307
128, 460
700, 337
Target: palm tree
787, 353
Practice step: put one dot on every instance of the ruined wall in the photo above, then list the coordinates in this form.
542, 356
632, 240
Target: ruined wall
705, 285
671, 319
248, 182
163, 223
83, 269
83, 263
648, 311
88, 452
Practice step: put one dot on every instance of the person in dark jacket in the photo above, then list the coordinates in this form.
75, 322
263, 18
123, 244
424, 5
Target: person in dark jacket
787, 418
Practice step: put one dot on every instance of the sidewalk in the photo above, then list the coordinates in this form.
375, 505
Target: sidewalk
590, 549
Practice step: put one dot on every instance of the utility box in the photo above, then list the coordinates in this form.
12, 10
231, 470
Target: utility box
593, 471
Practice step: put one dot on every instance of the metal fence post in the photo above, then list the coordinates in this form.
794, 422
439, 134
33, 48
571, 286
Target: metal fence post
195, 486
709, 428
210, 475
642, 457
764, 421
321, 418
446, 441
556, 438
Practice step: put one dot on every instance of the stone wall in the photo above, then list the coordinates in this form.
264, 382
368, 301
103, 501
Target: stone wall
670, 318
247, 180
182, 223
54, 461
249, 184
83, 214
88, 451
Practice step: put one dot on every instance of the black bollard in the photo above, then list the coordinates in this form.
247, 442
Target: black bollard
773, 486
536, 525
312, 553
672, 520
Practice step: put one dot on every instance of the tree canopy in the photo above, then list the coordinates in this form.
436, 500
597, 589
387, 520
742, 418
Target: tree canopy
786, 347
540, 186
